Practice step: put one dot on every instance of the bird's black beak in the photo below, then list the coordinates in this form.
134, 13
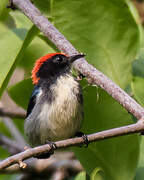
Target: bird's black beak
75, 57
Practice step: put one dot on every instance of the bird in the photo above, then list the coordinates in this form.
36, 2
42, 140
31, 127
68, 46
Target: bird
55, 110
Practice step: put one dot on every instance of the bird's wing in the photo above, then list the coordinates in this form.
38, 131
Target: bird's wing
32, 101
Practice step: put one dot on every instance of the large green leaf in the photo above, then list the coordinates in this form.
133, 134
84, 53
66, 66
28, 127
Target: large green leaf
105, 30
21, 21
117, 157
12, 46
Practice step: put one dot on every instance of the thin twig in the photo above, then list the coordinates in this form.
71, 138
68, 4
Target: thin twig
10, 145
6, 113
93, 75
32, 152
42, 166
14, 131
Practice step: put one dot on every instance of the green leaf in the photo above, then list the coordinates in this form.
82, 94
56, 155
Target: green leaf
117, 157
21, 92
3, 10
104, 30
11, 54
81, 176
137, 87
21, 21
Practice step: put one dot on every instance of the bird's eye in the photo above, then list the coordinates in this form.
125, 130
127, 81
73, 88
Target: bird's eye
58, 59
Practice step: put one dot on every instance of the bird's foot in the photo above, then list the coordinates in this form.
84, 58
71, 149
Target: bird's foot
48, 154
11, 5
84, 136
52, 146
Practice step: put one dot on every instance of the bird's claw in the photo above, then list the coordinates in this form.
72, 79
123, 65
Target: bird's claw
85, 138
48, 154
52, 146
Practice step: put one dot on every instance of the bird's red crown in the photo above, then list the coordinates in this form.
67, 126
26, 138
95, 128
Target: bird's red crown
38, 64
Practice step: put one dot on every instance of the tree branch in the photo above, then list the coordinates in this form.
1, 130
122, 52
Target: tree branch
11, 114
93, 75
32, 152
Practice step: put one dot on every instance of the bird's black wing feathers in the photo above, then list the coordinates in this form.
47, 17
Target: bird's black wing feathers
32, 101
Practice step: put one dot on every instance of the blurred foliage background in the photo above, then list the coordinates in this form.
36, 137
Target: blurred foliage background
110, 33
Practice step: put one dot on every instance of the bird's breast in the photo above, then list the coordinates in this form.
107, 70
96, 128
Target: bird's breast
62, 117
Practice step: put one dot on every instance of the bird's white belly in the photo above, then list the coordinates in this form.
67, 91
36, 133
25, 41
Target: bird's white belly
63, 117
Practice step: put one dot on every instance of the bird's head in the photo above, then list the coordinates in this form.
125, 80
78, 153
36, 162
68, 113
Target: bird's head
53, 64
